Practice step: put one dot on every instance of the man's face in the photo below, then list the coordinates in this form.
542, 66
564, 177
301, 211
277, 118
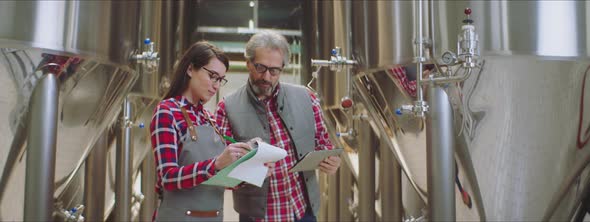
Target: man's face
265, 71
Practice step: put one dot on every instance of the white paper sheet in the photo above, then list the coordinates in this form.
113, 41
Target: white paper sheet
253, 170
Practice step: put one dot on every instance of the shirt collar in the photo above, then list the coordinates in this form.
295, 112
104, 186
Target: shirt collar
184, 102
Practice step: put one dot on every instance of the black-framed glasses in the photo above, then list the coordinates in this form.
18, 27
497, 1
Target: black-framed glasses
215, 77
262, 69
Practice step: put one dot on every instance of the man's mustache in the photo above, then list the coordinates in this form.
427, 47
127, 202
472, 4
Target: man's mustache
261, 81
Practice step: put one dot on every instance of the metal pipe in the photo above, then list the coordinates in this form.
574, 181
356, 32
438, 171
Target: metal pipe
390, 178
366, 182
440, 80
440, 160
419, 51
148, 182
124, 165
333, 196
255, 13
319, 62
345, 197
564, 188
40, 169
582, 201
95, 180
323, 212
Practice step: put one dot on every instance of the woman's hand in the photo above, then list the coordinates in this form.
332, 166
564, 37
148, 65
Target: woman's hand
231, 153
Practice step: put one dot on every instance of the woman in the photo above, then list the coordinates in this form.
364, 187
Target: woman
188, 149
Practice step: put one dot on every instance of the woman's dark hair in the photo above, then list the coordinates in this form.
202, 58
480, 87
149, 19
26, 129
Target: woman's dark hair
199, 55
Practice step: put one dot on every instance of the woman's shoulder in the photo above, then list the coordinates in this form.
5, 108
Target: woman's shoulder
169, 104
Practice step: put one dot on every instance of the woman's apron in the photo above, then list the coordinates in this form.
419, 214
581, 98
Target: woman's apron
203, 202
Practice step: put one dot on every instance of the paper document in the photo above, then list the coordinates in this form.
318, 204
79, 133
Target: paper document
312, 160
250, 168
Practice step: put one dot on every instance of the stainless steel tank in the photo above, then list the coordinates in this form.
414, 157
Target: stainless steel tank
516, 118
91, 42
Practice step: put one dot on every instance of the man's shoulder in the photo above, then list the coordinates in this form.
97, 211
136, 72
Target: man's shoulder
293, 88
236, 94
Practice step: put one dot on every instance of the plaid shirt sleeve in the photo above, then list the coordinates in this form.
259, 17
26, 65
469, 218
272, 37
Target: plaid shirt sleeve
322, 139
222, 122
165, 144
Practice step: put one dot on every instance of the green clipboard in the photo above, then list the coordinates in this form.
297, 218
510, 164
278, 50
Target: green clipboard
221, 178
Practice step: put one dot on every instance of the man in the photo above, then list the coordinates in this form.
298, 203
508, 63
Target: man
286, 116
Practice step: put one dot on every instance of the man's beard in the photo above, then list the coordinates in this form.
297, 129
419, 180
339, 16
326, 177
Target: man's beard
259, 91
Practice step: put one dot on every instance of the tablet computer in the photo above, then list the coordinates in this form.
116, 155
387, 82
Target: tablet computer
312, 160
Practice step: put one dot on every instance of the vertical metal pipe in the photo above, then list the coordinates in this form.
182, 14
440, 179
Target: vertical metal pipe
440, 160
345, 197
390, 178
40, 169
148, 182
95, 180
323, 213
419, 49
255, 14
124, 166
309, 41
367, 146
333, 195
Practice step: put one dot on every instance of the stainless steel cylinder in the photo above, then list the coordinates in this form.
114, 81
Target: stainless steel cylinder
440, 156
346, 194
333, 196
367, 145
390, 174
148, 182
124, 165
95, 180
41, 149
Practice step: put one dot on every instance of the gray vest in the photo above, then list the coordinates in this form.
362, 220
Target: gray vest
203, 198
248, 119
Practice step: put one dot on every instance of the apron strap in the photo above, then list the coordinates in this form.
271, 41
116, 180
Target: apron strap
189, 124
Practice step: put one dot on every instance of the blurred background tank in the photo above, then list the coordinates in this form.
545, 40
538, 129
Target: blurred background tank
516, 118
88, 45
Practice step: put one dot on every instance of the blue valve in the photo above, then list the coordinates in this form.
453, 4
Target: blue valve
147, 41
334, 52
141, 125
398, 111
337, 134
73, 210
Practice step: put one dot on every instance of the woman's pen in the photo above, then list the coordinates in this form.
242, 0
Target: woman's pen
232, 140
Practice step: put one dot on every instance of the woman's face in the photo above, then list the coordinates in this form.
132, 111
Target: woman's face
205, 82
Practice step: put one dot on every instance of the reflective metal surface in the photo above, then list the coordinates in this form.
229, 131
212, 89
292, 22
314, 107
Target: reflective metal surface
516, 121
91, 43
382, 33
88, 101
543, 28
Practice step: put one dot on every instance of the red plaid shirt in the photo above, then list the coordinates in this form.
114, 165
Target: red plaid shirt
286, 196
168, 128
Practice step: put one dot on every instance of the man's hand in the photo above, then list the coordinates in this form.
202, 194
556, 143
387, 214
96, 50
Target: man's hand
330, 165
271, 169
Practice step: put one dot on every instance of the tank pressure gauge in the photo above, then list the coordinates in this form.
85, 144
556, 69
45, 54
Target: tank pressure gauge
449, 58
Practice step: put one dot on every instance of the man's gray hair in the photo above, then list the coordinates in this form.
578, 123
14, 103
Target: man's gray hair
269, 40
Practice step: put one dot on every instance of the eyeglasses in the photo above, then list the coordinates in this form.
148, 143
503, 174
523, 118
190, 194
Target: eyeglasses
262, 69
215, 77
